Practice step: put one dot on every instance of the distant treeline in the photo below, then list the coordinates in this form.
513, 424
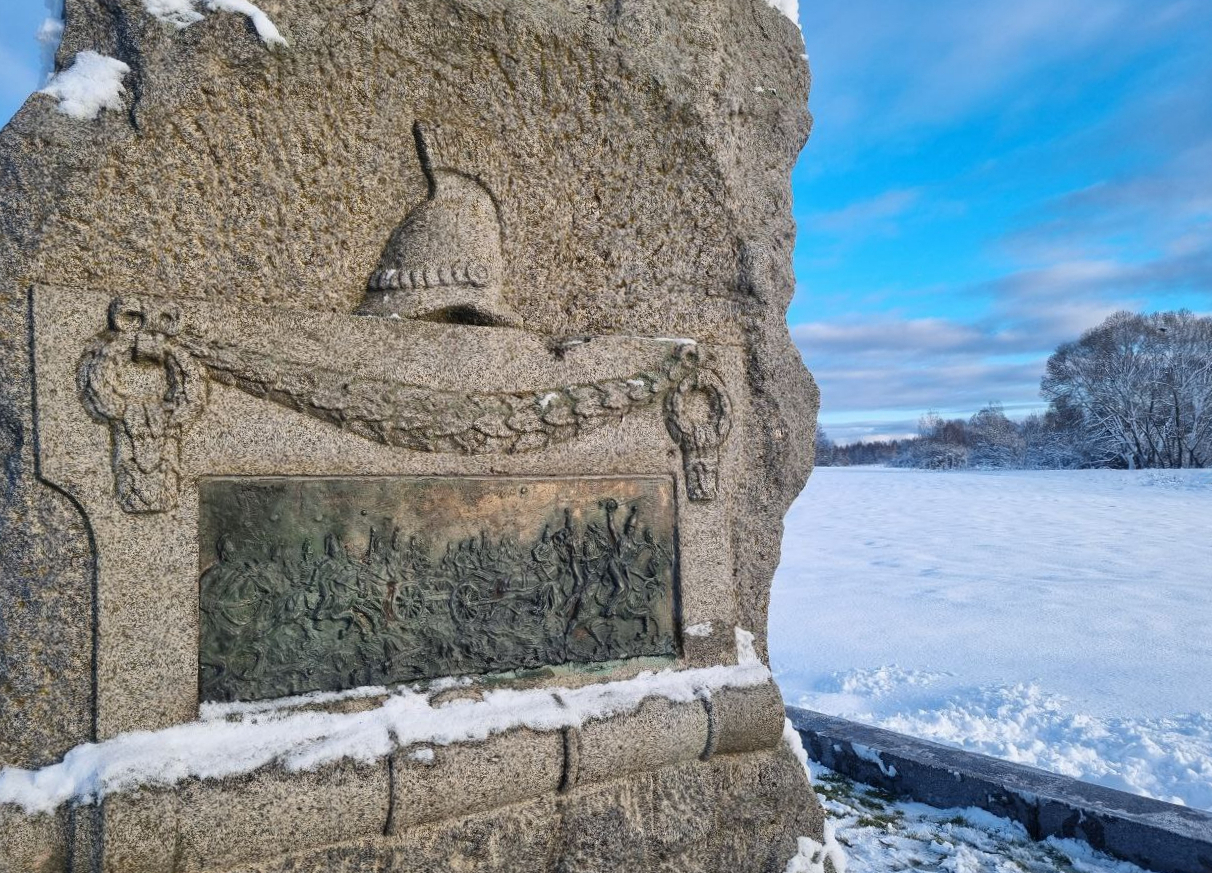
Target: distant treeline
1134, 392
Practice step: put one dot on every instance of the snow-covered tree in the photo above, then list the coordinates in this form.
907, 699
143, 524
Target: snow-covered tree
1054, 440
1142, 385
825, 449
941, 444
994, 441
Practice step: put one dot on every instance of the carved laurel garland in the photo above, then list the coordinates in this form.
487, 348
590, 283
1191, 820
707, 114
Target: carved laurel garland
146, 378
428, 420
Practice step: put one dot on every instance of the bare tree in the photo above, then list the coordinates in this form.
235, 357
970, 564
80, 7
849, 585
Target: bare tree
1142, 385
941, 444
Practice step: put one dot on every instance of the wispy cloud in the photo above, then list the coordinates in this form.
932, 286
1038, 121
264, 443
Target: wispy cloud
902, 66
21, 62
902, 368
874, 215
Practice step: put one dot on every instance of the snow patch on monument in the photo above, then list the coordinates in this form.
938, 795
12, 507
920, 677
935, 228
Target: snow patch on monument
810, 855
216, 748
180, 13
93, 82
795, 744
746, 654
790, 8
265, 28
183, 13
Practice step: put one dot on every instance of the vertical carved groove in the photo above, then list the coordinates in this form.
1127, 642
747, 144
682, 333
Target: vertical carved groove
572, 759
713, 735
388, 823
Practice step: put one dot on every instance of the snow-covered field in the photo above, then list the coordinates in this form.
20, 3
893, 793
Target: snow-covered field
1057, 619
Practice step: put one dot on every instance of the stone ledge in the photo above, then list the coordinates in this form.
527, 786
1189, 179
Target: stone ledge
1151, 833
669, 820
218, 823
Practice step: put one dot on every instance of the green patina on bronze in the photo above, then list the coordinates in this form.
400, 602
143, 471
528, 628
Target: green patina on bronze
322, 584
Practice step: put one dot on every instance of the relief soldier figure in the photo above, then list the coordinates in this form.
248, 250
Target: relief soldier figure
591, 590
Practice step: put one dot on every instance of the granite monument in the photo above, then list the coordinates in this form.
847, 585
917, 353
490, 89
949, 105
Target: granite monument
397, 418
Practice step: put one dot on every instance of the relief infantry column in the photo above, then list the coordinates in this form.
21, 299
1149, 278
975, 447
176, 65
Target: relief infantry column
397, 419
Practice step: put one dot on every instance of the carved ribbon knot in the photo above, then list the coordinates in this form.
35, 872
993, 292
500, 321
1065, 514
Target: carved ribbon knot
698, 416
134, 378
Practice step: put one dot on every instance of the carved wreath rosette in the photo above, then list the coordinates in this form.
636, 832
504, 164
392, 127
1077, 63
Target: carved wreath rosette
698, 415
134, 378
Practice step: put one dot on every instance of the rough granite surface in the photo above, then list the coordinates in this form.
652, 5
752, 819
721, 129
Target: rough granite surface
639, 155
735, 813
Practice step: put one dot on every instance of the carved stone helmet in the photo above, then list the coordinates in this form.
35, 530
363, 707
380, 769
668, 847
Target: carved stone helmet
444, 262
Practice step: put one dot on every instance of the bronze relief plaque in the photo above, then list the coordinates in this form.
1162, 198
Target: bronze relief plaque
322, 584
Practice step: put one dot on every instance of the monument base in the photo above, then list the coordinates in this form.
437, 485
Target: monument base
678, 771
734, 813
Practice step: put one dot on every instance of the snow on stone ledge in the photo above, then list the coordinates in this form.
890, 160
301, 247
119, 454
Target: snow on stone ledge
93, 82
182, 13
240, 738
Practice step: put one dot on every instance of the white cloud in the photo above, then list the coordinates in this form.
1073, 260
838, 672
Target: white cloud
891, 368
1094, 111
900, 72
48, 35
917, 336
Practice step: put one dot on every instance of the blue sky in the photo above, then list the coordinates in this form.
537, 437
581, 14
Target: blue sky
20, 53
984, 181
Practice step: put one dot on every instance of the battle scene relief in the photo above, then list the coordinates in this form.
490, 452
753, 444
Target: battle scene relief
322, 584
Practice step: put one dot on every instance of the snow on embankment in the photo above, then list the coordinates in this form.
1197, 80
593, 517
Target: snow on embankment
883, 834
1055, 619
240, 738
